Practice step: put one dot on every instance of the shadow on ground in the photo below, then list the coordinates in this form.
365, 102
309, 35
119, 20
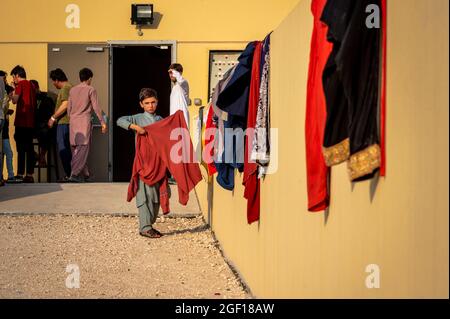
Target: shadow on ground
16, 191
198, 229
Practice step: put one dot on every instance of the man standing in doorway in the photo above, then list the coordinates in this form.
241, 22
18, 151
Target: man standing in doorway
61, 118
24, 97
83, 100
179, 97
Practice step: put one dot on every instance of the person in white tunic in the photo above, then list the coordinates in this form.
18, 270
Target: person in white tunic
179, 97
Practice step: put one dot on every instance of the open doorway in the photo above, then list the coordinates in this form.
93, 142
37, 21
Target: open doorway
135, 66
71, 58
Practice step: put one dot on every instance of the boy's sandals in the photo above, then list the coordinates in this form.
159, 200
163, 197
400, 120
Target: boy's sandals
151, 233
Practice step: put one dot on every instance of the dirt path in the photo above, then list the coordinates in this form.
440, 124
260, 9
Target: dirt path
113, 260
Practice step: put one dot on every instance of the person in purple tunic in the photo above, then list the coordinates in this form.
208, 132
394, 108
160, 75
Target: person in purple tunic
83, 100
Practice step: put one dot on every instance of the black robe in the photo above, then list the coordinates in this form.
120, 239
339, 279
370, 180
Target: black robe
351, 85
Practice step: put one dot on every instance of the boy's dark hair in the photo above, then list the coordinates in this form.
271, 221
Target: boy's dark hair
85, 74
2, 73
176, 66
8, 88
19, 71
35, 84
58, 75
146, 93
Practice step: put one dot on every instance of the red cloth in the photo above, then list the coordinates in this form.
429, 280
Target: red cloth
208, 155
153, 159
383, 89
251, 181
316, 113
26, 105
149, 167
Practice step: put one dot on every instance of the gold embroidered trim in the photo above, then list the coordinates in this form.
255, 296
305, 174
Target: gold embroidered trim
338, 153
364, 162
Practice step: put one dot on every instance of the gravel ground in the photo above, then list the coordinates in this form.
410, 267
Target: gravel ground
113, 260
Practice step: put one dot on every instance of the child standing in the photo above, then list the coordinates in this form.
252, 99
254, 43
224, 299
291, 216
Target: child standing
147, 197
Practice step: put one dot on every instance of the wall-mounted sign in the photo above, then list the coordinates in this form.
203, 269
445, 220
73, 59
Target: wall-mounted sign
220, 62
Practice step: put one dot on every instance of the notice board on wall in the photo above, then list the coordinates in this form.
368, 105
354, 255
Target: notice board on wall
220, 61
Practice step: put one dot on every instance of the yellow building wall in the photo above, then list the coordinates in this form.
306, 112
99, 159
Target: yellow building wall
399, 223
197, 25
193, 20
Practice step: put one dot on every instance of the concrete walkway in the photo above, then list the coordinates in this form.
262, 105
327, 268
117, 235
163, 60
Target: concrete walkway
83, 199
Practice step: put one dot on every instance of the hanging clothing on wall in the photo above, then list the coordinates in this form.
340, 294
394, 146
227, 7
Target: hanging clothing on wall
261, 140
234, 97
318, 172
232, 157
351, 86
153, 159
221, 85
234, 100
217, 119
209, 141
250, 180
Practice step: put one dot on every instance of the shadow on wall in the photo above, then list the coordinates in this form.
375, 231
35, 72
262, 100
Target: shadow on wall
374, 181
157, 17
372, 192
15, 191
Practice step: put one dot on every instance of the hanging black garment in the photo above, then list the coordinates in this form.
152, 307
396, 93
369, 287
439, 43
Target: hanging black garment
351, 86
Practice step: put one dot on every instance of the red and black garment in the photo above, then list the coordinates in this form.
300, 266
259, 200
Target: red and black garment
351, 82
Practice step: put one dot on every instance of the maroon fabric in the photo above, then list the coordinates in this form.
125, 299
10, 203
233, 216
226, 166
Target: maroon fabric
316, 114
26, 105
153, 159
251, 181
149, 167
